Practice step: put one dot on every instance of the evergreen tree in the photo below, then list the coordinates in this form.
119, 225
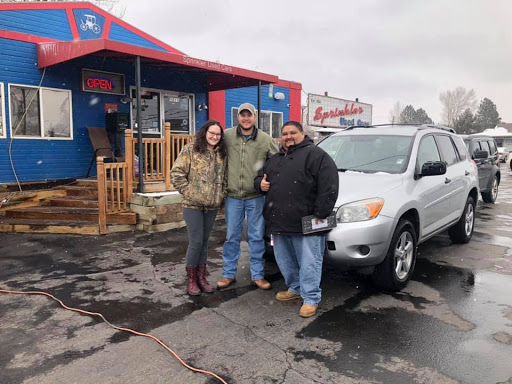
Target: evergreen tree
465, 124
487, 115
410, 116
422, 117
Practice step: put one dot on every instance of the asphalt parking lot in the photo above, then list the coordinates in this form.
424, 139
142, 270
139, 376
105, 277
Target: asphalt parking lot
452, 324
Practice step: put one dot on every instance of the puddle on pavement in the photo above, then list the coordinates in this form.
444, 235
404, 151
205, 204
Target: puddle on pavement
470, 356
492, 239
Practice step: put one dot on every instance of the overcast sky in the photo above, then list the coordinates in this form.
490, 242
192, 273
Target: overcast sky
380, 51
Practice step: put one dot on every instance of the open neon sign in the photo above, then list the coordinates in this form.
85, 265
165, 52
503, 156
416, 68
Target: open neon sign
99, 82
102, 82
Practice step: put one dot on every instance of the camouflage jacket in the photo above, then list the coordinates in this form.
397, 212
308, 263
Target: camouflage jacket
200, 178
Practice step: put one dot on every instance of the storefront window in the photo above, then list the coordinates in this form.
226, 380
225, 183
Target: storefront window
271, 122
29, 107
177, 112
2, 111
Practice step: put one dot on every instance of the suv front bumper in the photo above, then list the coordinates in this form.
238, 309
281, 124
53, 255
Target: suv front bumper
362, 243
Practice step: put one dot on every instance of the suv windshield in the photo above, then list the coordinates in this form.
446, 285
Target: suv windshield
369, 153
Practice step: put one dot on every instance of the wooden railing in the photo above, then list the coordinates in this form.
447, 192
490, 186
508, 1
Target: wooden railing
114, 192
159, 155
115, 180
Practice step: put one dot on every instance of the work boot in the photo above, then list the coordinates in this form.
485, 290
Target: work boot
262, 284
192, 287
307, 310
201, 279
287, 296
225, 282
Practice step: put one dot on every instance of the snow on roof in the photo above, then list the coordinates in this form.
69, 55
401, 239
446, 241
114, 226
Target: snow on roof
498, 131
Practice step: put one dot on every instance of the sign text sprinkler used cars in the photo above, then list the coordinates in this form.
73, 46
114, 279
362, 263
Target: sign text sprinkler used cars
326, 111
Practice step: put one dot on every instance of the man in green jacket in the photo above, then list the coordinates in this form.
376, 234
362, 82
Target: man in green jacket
248, 148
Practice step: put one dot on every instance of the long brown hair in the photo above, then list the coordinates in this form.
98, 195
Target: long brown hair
200, 143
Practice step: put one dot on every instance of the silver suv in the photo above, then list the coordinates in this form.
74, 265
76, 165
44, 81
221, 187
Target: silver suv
399, 186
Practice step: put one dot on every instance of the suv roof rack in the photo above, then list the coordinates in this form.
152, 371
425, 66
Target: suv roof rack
420, 126
444, 128
379, 125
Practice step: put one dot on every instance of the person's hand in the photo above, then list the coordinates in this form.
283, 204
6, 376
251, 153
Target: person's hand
264, 185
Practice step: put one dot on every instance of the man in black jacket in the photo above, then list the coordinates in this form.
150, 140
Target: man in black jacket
301, 180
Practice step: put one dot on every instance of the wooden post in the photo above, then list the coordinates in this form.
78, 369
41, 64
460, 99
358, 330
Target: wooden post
167, 162
128, 154
102, 195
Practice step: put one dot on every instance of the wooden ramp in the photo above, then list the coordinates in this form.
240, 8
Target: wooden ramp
70, 209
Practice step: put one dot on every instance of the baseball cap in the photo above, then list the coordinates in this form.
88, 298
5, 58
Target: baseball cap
247, 107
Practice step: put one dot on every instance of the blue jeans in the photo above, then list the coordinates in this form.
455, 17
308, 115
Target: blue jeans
236, 210
300, 261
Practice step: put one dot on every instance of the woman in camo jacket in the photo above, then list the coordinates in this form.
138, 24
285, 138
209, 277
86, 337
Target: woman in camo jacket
199, 174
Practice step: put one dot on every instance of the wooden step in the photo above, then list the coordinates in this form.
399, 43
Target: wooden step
86, 182
76, 190
70, 214
30, 199
72, 201
10, 225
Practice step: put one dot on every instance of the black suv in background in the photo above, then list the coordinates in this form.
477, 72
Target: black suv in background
484, 151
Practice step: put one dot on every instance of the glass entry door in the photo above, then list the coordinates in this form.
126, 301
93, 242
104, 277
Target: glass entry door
177, 111
159, 107
150, 112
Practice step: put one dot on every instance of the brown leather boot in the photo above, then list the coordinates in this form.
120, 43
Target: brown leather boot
192, 287
201, 279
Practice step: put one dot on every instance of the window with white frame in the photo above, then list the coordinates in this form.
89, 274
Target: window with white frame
271, 122
2, 111
40, 112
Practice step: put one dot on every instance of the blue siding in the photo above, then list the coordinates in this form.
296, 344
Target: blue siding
121, 34
89, 23
235, 97
51, 23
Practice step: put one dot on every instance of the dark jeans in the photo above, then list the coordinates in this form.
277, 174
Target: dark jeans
199, 226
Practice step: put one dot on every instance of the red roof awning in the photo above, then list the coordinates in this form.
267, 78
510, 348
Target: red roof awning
219, 76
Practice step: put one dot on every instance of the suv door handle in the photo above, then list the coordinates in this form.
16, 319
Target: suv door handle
447, 181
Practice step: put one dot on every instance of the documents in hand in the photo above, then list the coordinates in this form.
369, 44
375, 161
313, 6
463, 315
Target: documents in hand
310, 225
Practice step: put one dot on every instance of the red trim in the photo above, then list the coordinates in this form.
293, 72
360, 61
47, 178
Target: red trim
50, 5
106, 28
83, 5
217, 107
58, 52
295, 104
72, 24
24, 37
288, 84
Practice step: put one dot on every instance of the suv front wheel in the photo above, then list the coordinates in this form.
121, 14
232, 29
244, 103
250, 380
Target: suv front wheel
462, 232
397, 268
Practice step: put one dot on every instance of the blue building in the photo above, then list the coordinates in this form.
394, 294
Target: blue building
66, 66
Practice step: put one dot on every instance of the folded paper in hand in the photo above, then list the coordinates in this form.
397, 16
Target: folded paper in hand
310, 225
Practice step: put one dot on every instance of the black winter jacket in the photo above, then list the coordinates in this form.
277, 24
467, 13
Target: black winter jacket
303, 182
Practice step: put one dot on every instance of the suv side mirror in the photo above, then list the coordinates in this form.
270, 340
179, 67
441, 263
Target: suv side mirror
481, 154
433, 168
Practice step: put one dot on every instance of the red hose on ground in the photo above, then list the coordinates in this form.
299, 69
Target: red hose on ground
117, 328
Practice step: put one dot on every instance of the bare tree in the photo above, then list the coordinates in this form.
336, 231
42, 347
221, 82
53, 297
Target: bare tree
111, 6
455, 102
395, 112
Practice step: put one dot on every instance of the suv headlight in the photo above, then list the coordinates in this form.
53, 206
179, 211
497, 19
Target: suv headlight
359, 210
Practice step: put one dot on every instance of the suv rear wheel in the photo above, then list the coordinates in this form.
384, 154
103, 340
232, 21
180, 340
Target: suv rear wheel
492, 195
397, 268
462, 232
